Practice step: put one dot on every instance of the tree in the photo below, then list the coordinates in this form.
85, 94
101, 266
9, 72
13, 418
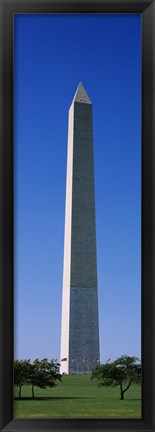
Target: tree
44, 374
123, 372
21, 373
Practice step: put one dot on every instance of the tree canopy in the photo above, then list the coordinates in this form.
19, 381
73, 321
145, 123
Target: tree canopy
44, 374
123, 372
22, 370
39, 373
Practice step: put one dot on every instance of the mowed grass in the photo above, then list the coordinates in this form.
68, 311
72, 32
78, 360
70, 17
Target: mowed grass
78, 397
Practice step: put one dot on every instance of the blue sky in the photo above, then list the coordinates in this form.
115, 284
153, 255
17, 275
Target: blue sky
52, 54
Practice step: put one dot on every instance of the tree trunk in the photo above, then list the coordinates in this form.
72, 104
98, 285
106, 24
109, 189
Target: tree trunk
122, 393
32, 391
20, 387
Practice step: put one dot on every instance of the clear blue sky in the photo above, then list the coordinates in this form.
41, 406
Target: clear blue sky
52, 54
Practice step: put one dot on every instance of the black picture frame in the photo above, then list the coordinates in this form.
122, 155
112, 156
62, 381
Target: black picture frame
7, 10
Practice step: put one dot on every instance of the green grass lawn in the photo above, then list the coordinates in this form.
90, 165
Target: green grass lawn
78, 397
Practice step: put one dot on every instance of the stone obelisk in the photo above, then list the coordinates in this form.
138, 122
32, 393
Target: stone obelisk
80, 330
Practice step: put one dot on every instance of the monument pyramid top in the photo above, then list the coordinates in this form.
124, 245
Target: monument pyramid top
81, 95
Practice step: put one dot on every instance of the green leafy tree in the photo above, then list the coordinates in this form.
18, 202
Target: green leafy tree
44, 374
21, 373
123, 372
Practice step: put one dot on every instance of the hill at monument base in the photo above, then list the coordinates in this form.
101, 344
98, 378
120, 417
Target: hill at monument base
78, 397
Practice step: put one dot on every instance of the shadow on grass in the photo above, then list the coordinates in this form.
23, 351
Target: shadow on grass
42, 398
49, 398
131, 399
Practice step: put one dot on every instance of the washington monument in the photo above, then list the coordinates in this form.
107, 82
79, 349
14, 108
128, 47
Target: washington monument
79, 327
